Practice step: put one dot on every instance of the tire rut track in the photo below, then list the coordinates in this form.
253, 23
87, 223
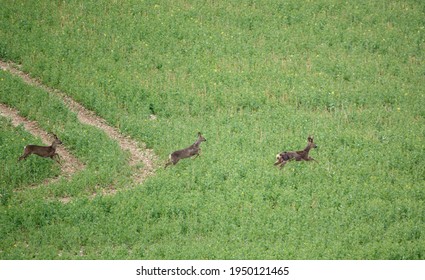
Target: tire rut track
138, 152
69, 163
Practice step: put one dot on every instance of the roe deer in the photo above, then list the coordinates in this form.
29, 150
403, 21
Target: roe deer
42, 151
192, 150
284, 157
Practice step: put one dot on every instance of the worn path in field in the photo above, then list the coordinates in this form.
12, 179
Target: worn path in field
69, 164
137, 154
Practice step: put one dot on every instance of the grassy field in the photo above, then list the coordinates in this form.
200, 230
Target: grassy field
256, 78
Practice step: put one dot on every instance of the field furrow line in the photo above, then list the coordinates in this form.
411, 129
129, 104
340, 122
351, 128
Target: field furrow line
138, 151
69, 163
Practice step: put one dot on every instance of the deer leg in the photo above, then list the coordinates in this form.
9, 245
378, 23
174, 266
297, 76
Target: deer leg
283, 164
24, 156
171, 161
197, 155
56, 158
59, 159
167, 164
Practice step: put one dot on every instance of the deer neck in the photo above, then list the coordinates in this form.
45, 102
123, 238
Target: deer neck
197, 143
307, 150
54, 145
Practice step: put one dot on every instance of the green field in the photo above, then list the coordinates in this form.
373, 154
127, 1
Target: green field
256, 78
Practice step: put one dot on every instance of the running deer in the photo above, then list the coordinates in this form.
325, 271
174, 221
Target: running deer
42, 151
284, 157
193, 150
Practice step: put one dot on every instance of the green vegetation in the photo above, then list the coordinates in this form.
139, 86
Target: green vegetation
105, 162
15, 175
256, 78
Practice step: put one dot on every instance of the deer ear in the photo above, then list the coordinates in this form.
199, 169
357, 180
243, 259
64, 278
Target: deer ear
199, 134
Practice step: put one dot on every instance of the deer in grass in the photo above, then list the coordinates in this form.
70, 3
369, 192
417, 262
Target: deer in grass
284, 157
42, 151
192, 150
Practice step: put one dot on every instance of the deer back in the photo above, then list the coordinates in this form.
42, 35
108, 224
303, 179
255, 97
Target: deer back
43, 151
40, 150
191, 150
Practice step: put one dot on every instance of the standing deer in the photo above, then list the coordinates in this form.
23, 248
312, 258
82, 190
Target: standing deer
42, 151
193, 150
284, 157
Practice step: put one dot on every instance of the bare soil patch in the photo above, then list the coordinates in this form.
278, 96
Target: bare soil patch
138, 152
70, 164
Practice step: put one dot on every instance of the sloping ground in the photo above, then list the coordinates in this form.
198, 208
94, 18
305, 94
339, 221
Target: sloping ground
70, 164
138, 153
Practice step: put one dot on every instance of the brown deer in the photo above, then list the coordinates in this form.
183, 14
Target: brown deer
193, 150
42, 151
284, 157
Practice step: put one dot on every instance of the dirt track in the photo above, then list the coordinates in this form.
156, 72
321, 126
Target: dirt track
70, 164
138, 153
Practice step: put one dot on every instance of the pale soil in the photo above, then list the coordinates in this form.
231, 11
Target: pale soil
138, 152
69, 163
